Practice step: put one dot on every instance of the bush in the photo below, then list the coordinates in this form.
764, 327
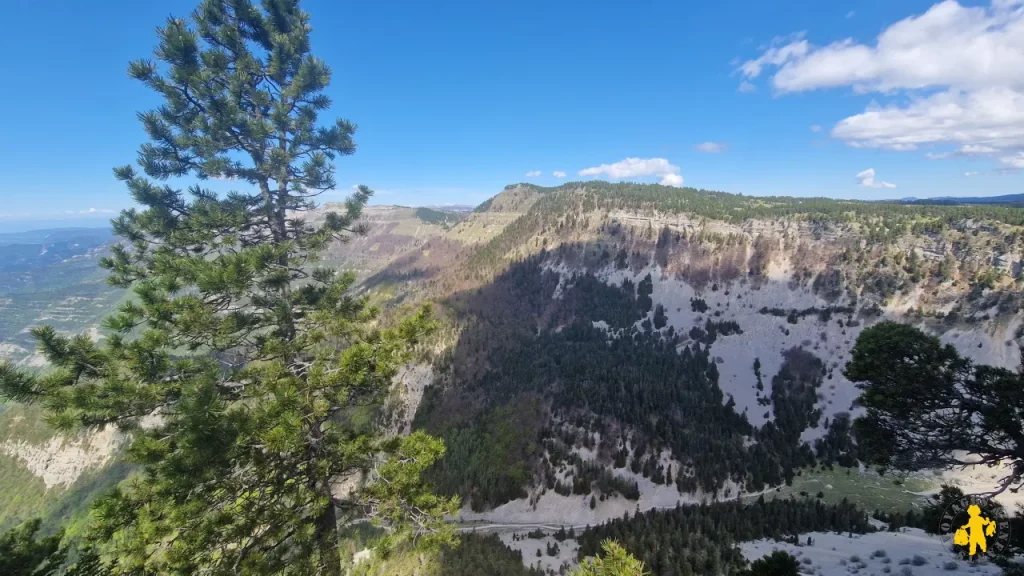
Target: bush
878, 554
951, 565
918, 560
904, 561
906, 571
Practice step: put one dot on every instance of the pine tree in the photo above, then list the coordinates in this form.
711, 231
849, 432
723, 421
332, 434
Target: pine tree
927, 405
22, 552
238, 365
778, 563
615, 562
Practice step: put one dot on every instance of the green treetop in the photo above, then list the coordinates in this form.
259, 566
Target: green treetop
22, 552
238, 367
778, 563
615, 562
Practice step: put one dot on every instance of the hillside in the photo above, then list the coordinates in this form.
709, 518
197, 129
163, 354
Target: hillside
390, 232
1007, 199
52, 277
650, 345
609, 348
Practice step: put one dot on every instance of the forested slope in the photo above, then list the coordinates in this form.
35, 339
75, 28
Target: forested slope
618, 334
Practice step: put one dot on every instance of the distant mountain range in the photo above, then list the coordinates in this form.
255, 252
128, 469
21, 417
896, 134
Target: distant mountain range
1008, 199
451, 207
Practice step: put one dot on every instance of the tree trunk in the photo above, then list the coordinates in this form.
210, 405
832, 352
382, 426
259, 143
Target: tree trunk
327, 540
277, 220
327, 522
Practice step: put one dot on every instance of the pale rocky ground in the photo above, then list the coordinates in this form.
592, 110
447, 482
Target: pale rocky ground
61, 460
9, 350
763, 337
831, 553
529, 546
574, 510
558, 510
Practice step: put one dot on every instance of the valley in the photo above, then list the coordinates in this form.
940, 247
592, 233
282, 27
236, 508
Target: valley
758, 298
608, 350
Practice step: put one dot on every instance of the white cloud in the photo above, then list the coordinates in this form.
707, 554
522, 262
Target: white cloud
989, 119
778, 53
972, 173
851, 14
954, 77
965, 150
867, 180
903, 146
746, 86
1015, 162
711, 147
558, 174
815, 128
977, 149
91, 211
949, 45
377, 192
533, 173
671, 180
635, 167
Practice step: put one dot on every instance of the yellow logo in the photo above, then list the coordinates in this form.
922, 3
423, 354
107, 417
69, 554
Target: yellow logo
974, 532
976, 525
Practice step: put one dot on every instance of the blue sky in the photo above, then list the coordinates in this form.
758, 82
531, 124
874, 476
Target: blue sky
456, 99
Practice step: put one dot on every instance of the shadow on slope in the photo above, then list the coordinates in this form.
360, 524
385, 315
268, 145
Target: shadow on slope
550, 367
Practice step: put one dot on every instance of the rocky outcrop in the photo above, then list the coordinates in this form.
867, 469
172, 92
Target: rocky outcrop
60, 461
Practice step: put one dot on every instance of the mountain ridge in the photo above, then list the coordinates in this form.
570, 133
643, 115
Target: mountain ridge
763, 275
731, 281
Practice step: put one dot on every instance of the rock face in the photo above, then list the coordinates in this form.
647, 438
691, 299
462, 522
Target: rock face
60, 461
412, 379
767, 336
789, 282
1009, 264
390, 231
